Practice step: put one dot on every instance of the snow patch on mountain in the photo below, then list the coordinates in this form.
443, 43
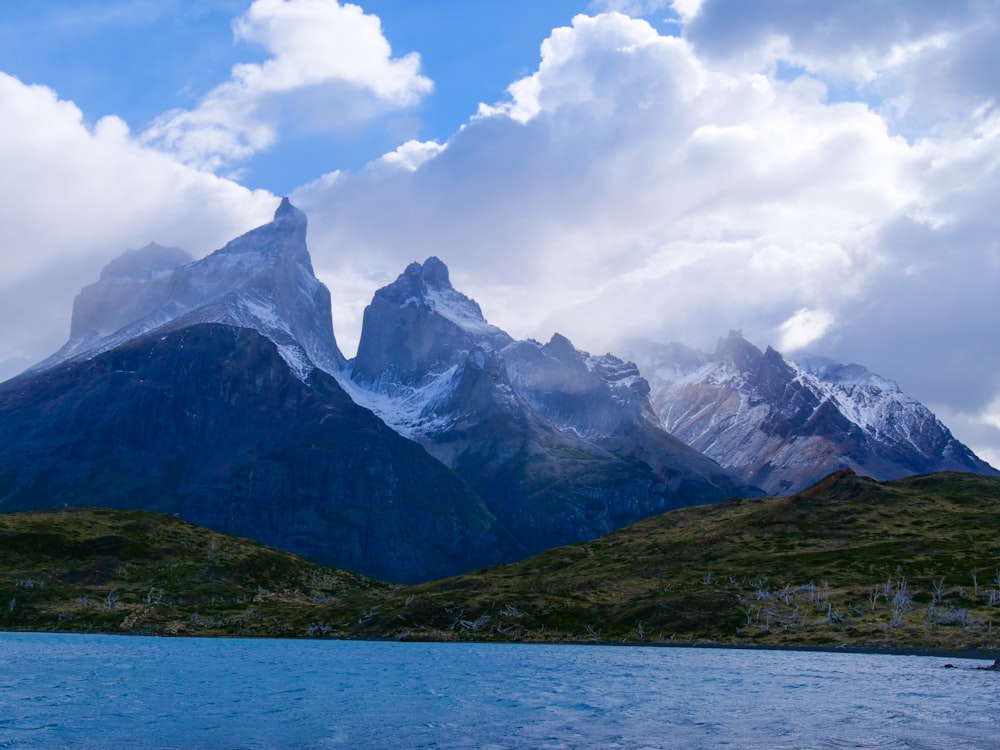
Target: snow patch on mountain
408, 409
623, 378
460, 310
876, 404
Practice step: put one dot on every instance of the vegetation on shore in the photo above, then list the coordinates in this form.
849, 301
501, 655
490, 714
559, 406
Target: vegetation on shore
128, 571
912, 563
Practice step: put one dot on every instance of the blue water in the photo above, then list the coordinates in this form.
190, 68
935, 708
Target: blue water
64, 691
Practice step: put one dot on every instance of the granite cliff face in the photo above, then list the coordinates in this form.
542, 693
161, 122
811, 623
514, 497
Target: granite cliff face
420, 326
784, 425
560, 445
262, 280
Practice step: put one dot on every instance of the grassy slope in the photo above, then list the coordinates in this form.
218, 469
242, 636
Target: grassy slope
912, 563
813, 569
134, 571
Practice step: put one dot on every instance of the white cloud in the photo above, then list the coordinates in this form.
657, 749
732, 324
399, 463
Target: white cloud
409, 156
991, 415
924, 61
687, 9
803, 328
72, 197
632, 185
329, 65
625, 187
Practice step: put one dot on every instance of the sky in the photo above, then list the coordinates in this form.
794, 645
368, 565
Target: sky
823, 176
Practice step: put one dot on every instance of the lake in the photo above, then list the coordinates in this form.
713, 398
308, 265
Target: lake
76, 691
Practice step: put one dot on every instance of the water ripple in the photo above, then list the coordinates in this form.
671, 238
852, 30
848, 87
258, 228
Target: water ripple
90, 692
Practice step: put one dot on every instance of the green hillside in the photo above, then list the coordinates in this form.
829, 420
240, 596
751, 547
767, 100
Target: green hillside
913, 563
98, 570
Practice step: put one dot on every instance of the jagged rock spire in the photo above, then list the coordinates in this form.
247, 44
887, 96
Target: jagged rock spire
262, 280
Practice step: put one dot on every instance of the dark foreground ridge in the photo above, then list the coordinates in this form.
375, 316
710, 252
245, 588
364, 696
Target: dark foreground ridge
210, 423
853, 563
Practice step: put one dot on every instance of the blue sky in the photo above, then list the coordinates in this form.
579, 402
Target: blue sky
823, 175
139, 58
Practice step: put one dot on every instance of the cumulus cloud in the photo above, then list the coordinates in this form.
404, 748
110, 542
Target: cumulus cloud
850, 38
803, 328
928, 311
920, 59
686, 9
637, 183
625, 187
821, 175
409, 156
72, 197
329, 65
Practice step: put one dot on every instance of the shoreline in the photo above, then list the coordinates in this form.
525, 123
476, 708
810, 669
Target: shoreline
970, 654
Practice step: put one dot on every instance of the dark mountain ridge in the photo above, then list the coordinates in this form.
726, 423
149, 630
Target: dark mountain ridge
849, 563
216, 403
210, 423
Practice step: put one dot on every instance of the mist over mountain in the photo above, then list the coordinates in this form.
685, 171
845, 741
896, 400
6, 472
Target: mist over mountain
131, 287
262, 280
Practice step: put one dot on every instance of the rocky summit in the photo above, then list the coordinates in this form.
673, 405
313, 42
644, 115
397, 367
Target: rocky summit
262, 280
420, 326
784, 425
560, 445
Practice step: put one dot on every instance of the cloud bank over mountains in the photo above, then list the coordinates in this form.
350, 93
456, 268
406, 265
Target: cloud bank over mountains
823, 176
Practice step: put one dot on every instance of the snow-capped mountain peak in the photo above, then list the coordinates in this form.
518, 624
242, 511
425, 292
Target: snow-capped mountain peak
430, 284
783, 425
262, 280
420, 326
875, 404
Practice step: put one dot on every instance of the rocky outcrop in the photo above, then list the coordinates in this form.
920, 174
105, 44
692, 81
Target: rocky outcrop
262, 280
418, 327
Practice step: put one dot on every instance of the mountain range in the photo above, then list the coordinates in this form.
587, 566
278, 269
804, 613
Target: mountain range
783, 425
216, 402
560, 445
215, 390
